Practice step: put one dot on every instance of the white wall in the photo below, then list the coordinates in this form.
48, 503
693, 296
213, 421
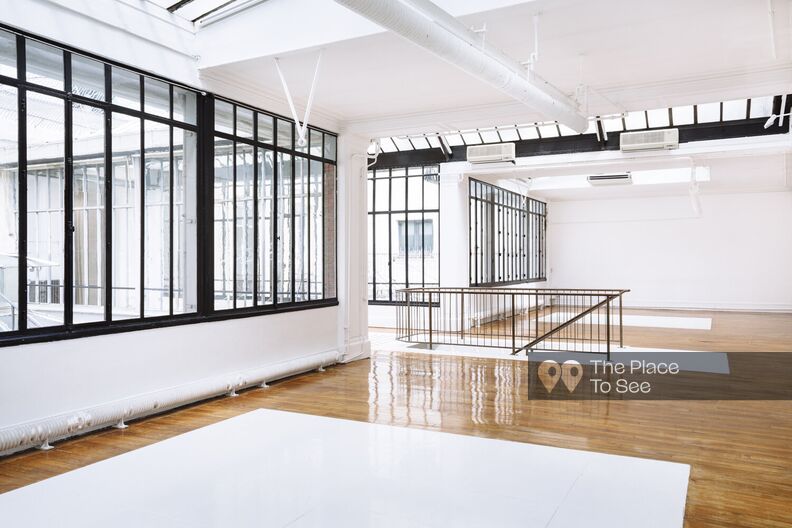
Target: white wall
42, 380
39, 381
737, 255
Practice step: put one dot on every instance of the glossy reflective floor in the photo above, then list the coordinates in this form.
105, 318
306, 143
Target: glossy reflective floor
740, 452
279, 469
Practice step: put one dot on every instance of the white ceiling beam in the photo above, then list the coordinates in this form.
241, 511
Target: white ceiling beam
286, 33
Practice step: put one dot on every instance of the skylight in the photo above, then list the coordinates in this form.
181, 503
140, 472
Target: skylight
734, 110
202, 10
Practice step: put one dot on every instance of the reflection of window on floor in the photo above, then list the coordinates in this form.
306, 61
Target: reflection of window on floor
404, 214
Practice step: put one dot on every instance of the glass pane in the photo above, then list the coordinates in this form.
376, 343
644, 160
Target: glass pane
658, 118
454, 140
9, 211
316, 232
548, 131
185, 106
528, 132
370, 194
157, 226
126, 88
329, 216
398, 193
371, 250
7, 54
431, 191
223, 224
612, 124
88, 191
283, 267
157, 97
683, 115
330, 147
244, 123
761, 107
185, 221
44, 64
382, 260
266, 172
224, 117
301, 240
431, 249
265, 128
88, 77
709, 112
734, 110
45, 222
244, 225
411, 246
489, 136
398, 250
635, 120
316, 143
415, 193
126, 217
381, 191
284, 134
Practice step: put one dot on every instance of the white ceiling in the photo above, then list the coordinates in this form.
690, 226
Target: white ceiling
633, 54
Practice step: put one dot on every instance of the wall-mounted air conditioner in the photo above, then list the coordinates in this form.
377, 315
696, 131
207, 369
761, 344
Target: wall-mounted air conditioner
610, 179
497, 153
667, 138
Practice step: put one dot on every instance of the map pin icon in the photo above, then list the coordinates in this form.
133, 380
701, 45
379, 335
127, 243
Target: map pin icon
549, 373
571, 372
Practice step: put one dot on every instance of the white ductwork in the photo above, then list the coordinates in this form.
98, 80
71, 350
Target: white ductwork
40, 433
425, 24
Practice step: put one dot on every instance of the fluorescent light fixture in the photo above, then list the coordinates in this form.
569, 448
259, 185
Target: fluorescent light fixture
645, 177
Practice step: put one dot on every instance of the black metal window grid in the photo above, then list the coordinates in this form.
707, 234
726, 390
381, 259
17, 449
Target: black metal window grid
507, 236
404, 229
108, 184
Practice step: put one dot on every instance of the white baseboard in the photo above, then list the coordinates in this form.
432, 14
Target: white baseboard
716, 306
44, 431
356, 349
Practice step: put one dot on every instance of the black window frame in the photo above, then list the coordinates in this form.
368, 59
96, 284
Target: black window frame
426, 171
506, 236
204, 130
294, 152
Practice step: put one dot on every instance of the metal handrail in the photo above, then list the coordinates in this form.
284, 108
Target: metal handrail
569, 322
558, 319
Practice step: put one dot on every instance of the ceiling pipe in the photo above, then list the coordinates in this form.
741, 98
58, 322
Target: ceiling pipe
425, 24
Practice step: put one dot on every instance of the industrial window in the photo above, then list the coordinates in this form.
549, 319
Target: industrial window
261, 173
507, 236
404, 214
105, 200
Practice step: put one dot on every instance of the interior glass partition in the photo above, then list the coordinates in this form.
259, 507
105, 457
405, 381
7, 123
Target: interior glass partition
507, 236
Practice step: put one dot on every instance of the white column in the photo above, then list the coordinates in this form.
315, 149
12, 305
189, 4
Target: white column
454, 252
352, 248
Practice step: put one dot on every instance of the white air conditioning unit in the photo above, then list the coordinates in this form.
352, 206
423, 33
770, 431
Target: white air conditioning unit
497, 153
668, 138
610, 179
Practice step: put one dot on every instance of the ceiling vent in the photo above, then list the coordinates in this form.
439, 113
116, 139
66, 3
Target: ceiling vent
610, 179
667, 138
496, 153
